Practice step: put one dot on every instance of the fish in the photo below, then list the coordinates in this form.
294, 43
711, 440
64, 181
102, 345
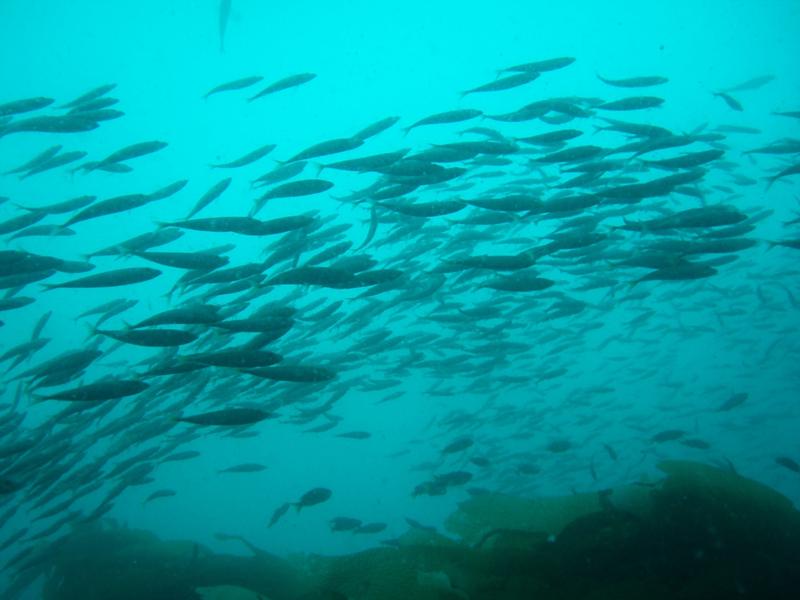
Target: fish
451, 116
227, 417
57, 161
101, 391
313, 497
668, 435
243, 225
52, 124
504, 83
292, 189
458, 445
377, 127
296, 373
729, 100
355, 435
790, 170
751, 84
153, 338
284, 84
224, 15
90, 96
244, 468
247, 159
788, 463
326, 148
127, 153
185, 260
541, 66
62, 207
160, 494
214, 192
16, 107
235, 358
278, 174
632, 103
279, 512
344, 524
635, 82
734, 401
114, 278
236, 84
370, 528
41, 158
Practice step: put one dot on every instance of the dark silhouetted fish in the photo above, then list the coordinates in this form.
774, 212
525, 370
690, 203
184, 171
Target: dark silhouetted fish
231, 417
284, 84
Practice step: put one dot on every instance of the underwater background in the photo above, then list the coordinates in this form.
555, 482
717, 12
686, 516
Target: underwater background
454, 378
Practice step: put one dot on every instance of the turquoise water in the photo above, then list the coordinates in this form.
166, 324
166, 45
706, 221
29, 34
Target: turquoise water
500, 368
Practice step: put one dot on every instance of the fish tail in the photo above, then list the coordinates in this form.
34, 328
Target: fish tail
92, 329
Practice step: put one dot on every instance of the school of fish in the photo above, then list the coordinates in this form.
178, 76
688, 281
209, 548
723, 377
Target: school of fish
493, 248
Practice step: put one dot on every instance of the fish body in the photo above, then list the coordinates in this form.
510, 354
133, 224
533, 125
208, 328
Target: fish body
100, 391
227, 417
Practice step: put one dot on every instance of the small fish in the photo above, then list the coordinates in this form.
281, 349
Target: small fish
114, 278
730, 101
635, 82
236, 84
668, 435
355, 435
244, 468
247, 159
735, 400
788, 463
696, 443
160, 494
16, 107
100, 391
504, 83
611, 452
279, 512
344, 524
284, 84
751, 84
451, 116
633, 103
313, 497
540, 66
227, 417
224, 16
212, 194
458, 445
370, 528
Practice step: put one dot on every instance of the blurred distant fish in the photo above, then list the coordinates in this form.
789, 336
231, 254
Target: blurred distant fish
224, 17
730, 101
735, 400
159, 494
788, 463
244, 468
